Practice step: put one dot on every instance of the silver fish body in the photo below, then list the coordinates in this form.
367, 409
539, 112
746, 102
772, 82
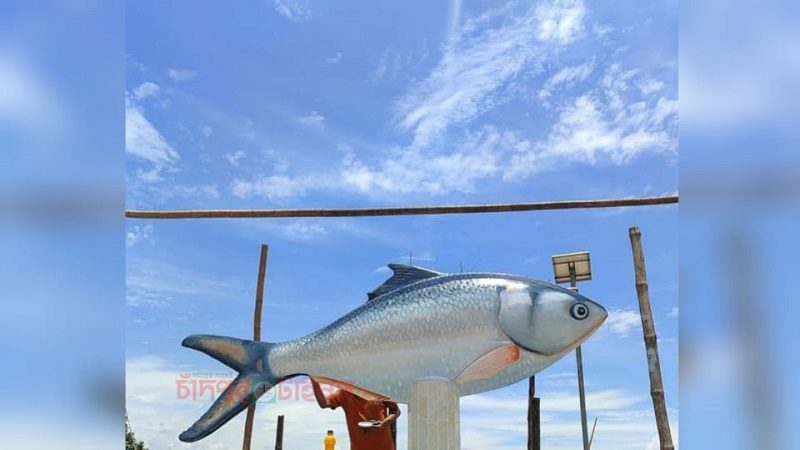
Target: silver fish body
433, 325
436, 327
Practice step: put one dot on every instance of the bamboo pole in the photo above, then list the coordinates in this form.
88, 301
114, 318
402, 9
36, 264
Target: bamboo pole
534, 425
650, 341
399, 211
279, 434
251, 410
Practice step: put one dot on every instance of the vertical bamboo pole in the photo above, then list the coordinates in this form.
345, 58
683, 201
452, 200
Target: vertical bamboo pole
251, 410
650, 341
279, 434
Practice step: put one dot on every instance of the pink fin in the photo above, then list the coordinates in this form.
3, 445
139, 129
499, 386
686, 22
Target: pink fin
489, 364
351, 388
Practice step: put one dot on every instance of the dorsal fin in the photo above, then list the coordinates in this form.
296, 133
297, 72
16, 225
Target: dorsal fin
403, 276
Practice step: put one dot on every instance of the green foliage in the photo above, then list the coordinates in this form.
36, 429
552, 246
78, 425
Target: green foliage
130, 439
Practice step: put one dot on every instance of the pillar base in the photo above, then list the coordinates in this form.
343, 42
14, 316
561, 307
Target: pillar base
434, 415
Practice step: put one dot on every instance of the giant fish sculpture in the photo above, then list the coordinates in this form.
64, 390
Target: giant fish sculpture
483, 331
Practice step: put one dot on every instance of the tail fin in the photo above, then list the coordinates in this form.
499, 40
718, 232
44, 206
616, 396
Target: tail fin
246, 357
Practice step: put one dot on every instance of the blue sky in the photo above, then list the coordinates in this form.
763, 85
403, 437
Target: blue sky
304, 103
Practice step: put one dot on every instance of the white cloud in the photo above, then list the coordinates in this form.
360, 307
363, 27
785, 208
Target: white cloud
673, 313
602, 29
567, 75
479, 61
560, 20
146, 89
294, 10
234, 157
136, 234
335, 59
181, 74
650, 85
155, 282
164, 191
414, 171
622, 321
274, 187
207, 130
303, 231
150, 176
143, 140
393, 63
312, 119
202, 190
608, 122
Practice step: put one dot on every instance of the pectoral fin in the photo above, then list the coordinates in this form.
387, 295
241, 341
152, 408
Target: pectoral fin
489, 364
351, 388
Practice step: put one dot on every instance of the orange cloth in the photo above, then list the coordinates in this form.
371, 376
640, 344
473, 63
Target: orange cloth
356, 409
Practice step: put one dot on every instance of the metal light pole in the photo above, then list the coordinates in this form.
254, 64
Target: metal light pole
575, 267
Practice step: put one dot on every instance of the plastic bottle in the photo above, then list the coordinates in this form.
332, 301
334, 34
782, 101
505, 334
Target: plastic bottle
330, 441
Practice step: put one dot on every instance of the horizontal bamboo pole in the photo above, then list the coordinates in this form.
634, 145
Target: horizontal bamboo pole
398, 211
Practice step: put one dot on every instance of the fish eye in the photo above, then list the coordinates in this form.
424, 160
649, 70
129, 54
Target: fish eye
579, 311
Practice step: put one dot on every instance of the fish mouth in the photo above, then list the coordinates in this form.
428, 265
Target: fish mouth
580, 338
586, 334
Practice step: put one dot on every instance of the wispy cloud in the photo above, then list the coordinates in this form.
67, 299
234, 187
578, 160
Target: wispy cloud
155, 282
274, 187
609, 121
294, 10
566, 76
312, 119
181, 74
143, 140
136, 234
415, 171
602, 30
146, 89
234, 157
478, 60
650, 85
561, 20
622, 321
303, 231
335, 59
673, 313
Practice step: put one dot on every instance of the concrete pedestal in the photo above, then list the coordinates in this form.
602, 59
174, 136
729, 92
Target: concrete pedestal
433, 415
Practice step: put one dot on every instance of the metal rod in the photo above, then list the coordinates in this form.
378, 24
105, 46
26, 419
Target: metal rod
251, 410
650, 341
591, 436
399, 211
582, 394
579, 359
